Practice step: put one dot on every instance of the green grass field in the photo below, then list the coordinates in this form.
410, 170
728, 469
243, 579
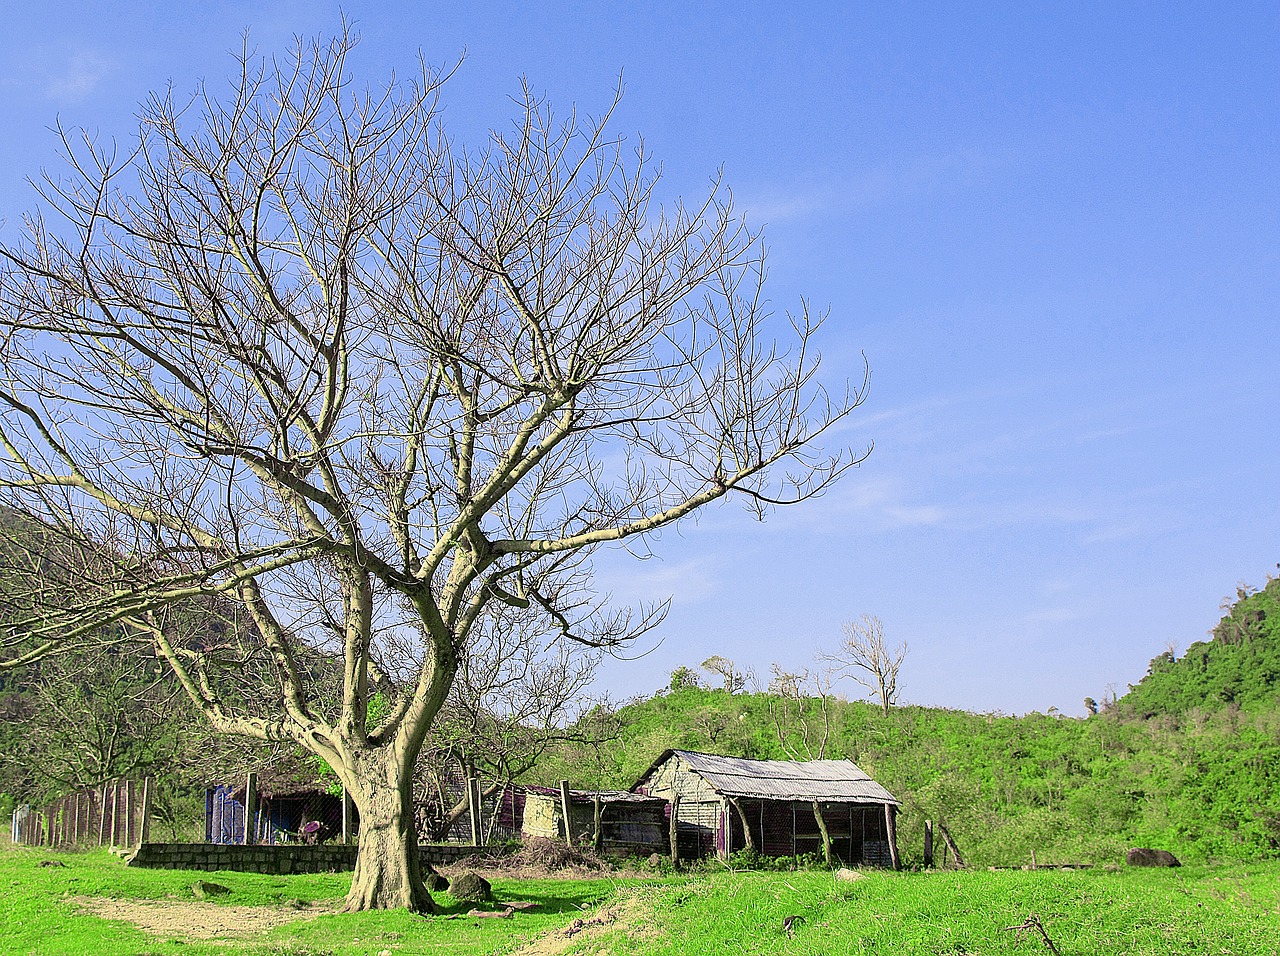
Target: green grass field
1227, 910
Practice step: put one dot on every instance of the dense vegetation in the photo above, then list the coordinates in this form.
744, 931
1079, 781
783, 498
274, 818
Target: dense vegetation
1240, 666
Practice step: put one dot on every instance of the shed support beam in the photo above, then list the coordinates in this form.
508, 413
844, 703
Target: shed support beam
746, 825
891, 831
822, 829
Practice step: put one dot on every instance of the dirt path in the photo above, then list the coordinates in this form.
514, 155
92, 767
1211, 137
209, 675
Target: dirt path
626, 914
196, 920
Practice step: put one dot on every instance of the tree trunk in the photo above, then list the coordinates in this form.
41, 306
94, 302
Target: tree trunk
747, 836
388, 871
822, 829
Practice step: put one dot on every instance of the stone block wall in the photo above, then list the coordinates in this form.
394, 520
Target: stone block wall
283, 859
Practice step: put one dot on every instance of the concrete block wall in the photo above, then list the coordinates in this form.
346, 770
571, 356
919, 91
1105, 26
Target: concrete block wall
284, 859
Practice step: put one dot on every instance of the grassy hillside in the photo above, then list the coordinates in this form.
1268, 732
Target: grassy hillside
1206, 786
1189, 760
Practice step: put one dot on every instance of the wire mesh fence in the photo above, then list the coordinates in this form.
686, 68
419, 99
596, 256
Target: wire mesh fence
115, 814
295, 817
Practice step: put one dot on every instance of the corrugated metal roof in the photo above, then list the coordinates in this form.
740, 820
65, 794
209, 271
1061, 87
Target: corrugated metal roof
588, 796
834, 781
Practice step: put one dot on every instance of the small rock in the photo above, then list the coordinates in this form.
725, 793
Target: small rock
52, 863
436, 882
1141, 856
848, 875
203, 889
470, 887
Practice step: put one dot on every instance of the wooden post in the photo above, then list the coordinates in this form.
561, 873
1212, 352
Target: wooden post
115, 810
747, 836
564, 809
473, 812
250, 804
148, 795
477, 801
102, 822
951, 845
928, 843
674, 831
822, 829
891, 830
597, 838
127, 839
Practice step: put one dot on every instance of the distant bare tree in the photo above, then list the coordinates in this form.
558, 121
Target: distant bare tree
800, 709
864, 657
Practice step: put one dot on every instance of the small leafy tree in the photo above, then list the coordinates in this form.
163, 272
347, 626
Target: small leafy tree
727, 670
684, 678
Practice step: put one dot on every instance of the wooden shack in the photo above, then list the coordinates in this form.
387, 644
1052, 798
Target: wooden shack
631, 824
777, 807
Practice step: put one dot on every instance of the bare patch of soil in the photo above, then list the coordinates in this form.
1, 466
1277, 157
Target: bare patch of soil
196, 920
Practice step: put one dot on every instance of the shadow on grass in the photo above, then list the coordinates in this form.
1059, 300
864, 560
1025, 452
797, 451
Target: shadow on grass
556, 898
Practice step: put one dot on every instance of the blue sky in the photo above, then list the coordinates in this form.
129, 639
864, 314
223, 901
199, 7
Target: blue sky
1051, 228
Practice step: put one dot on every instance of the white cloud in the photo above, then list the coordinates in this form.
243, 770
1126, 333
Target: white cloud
76, 76
67, 74
879, 186
631, 581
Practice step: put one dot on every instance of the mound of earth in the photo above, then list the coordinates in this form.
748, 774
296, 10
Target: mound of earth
538, 853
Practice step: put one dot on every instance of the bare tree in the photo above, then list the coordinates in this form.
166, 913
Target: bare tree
864, 652
800, 709
296, 348
514, 696
727, 670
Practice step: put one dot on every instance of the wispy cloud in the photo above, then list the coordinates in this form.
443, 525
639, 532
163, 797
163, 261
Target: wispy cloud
76, 76
67, 74
631, 582
889, 183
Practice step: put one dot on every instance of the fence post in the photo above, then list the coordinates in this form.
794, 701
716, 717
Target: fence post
115, 809
928, 843
148, 794
473, 811
250, 800
129, 830
564, 809
102, 816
